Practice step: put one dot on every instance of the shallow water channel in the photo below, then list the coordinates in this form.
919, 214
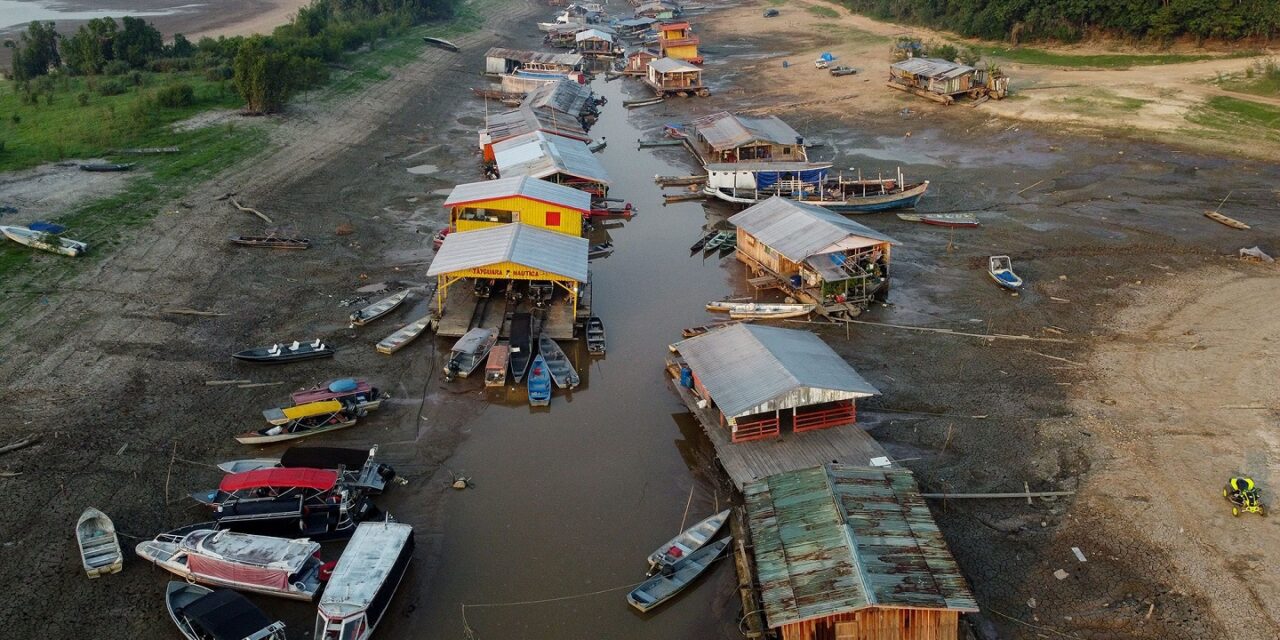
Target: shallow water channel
570, 500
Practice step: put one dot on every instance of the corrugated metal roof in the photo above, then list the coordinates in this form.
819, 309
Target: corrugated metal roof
533, 247
540, 155
725, 130
751, 369
671, 65
766, 166
593, 34
932, 67
798, 230
571, 60
636, 22
565, 96
520, 186
838, 538
525, 119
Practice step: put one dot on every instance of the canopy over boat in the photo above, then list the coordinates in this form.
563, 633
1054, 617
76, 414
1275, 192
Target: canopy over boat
370, 559
318, 479
225, 614
474, 341
249, 550
308, 410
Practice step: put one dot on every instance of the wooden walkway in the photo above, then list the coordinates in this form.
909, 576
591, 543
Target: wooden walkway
460, 306
748, 461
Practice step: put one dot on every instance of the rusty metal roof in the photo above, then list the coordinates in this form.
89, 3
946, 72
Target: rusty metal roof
751, 369
567, 60
932, 68
839, 538
542, 155
725, 130
526, 119
799, 230
565, 96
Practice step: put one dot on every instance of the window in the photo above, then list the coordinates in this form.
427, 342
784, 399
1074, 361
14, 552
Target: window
786, 151
553, 218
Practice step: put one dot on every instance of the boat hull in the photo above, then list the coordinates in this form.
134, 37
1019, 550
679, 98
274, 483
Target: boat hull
378, 309
906, 199
253, 437
181, 570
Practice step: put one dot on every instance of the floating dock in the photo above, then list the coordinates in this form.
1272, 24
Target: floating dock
463, 311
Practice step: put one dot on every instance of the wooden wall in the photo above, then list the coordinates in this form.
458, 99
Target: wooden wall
878, 624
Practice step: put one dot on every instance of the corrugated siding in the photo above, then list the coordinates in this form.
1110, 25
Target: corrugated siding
798, 230
567, 60
753, 368
521, 244
836, 539
565, 96
541, 155
932, 67
528, 211
728, 131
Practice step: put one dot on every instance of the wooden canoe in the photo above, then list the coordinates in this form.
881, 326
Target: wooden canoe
100, 553
1230, 222
539, 383
942, 219
558, 365
662, 587
441, 43
378, 309
404, 335
293, 431
702, 242
106, 167
595, 335
271, 242
689, 540
690, 332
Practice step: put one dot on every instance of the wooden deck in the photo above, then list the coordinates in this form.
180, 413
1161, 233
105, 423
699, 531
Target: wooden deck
748, 461
558, 319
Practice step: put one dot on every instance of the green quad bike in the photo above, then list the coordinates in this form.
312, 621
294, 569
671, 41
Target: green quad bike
1244, 496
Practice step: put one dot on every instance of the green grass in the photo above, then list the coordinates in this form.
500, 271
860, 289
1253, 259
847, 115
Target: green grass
1260, 79
1239, 119
823, 12
1102, 101
1027, 55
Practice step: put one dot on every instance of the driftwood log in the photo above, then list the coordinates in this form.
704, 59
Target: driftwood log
20, 444
255, 212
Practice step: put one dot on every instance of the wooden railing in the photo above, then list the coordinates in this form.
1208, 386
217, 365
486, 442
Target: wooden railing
843, 413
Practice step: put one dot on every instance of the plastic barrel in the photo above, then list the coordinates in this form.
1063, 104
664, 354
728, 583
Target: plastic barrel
686, 377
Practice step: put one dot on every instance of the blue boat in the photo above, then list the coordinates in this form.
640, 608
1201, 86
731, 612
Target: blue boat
539, 383
1001, 270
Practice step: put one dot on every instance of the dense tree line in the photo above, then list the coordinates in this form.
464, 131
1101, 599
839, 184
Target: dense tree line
265, 69
1070, 20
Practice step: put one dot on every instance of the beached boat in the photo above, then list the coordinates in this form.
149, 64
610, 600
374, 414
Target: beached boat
45, 241
690, 332
404, 335
284, 415
364, 581
271, 242
601, 250
1001, 270
246, 464
44, 226
100, 553
666, 584
702, 242
1227, 220
634, 104
595, 335
942, 219
689, 540
748, 183
441, 43
280, 354
356, 468
204, 614
557, 363
321, 504
354, 392
437, 240
495, 371
378, 309
468, 352
106, 167
760, 310
241, 561
539, 383
522, 351
330, 415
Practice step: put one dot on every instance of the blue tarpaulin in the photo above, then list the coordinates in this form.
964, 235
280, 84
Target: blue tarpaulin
767, 179
826, 56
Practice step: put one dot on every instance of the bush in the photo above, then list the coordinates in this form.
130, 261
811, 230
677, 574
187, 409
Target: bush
112, 87
218, 73
944, 52
115, 68
82, 99
176, 95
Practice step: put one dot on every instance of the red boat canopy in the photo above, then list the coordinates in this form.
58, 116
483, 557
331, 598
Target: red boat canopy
318, 479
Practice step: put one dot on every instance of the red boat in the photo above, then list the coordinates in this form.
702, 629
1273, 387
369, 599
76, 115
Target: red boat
625, 211
438, 240
287, 501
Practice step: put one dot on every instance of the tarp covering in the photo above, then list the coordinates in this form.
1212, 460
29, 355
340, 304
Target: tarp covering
232, 572
767, 179
324, 457
318, 479
226, 615
327, 392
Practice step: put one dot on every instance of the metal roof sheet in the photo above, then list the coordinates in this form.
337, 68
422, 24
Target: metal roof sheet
725, 130
932, 67
593, 34
525, 119
671, 65
565, 96
520, 187
839, 538
541, 155
798, 230
571, 60
766, 166
365, 565
750, 369
525, 245
636, 22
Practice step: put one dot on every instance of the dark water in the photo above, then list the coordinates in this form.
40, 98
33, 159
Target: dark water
570, 500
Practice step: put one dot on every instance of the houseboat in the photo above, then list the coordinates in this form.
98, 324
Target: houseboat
257, 564
367, 575
749, 183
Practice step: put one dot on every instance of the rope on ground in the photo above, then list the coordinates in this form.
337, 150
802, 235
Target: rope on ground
1033, 626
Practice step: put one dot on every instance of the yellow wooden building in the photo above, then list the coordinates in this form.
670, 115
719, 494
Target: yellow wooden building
518, 199
676, 40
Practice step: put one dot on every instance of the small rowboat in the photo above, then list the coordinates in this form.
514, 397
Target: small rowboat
378, 309
441, 43
99, 546
280, 354
557, 363
45, 241
662, 587
539, 383
468, 352
595, 335
404, 335
632, 104
601, 250
716, 240
1001, 270
1229, 221
702, 242
271, 242
942, 219
690, 540
204, 614
729, 244
495, 371
761, 310
521, 345
105, 167
300, 428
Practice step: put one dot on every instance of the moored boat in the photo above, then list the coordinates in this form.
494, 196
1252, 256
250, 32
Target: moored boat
689, 540
100, 552
205, 614
1227, 220
281, 353
748, 183
702, 242
245, 562
350, 391
595, 335
468, 352
673, 579
714, 243
539, 383
495, 370
272, 242
521, 345
329, 416
761, 310
689, 332
364, 316
942, 219
106, 167
45, 241
404, 335
1001, 270
558, 364
364, 581
601, 250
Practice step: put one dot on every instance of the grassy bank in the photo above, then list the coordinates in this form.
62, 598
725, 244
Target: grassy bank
1028, 55
1238, 119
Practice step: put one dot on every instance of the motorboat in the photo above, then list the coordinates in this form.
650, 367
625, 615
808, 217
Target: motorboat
245, 562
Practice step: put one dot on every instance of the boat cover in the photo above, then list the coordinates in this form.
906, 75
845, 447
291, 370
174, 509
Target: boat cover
318, 479
246, 550
226, 615
473, 341
766, 179
46, 227
265, 577
345, 385
324, 457
377, 551
325, 392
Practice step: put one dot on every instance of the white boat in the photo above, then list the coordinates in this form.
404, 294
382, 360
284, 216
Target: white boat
1001, 270
404, 335
241, 561
248, 464
761, 310
468, 352
99, 546
205, 614
378, 309
367, 575
689, 540
45, 241
748, 183
662, 587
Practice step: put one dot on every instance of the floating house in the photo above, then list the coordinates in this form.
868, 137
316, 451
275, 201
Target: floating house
676, 40
657, 9
845, 551
517, 122
563, 35
519, 199
564, 98
595, 43
638, 62
813, 254
942, 80
500, 60
553, 158
668, 75
633, 27
724, 137
759, 379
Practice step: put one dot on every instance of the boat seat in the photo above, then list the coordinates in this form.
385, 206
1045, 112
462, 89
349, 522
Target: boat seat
102, 561
294, 346
274, 350
644, 597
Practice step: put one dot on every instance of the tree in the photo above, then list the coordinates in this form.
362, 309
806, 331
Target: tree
36, 52
181, 47
138, 43
92, 46
262, 76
